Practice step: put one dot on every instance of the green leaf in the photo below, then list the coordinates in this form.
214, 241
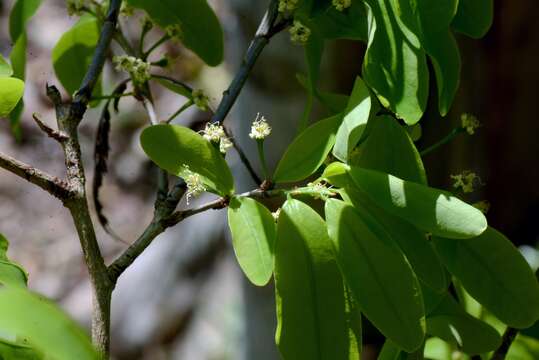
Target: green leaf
17, 351
18, 57
311, 307
492, 270
11, 274
47, 328
11, 92
474, 17
437, 349
253, 237
201, 30
413, 243
429, 209
524, 348
391, 352
21, 12
354, 122
349, 24
308, 151
172, 147
395, 66
378, 274
451, 323
389, 149
5, 68
73, 53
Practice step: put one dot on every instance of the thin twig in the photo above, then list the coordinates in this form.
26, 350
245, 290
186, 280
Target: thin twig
265, 32
155, 46
184, 107
51, 184
53, 134
245, 160
453, 134
507, 340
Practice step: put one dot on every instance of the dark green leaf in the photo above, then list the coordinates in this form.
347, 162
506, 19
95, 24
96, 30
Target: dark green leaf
21, 12
349, 24
429, 209
492, 270
172, 147
474, 17
73, 53
44, 325
451, 323
355, 120
201, 30
308, 151
253, 237
378, 274
311, 308
11, 91
395, 66
389, 149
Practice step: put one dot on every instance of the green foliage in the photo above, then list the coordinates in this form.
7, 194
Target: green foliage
492, 270
11, 274
201, 31
11, 91
253, 238
474, 17
308, 151
5, 69
73, 53
173, 147
312, 313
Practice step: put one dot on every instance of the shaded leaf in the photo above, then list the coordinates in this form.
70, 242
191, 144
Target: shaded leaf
311, 307
380, 278
172, 147
21, 12
474, 17
494, 272
253, 237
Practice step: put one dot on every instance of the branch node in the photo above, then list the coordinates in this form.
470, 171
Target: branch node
57, 135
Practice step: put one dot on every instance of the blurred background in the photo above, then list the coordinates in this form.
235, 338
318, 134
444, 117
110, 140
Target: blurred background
186, 298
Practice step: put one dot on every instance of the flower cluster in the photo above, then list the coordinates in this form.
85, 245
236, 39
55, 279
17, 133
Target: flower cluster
75, 7
126, 10
469, 123
137, 68
483, 206
194, 183
465, 181
260, 128
342, 4
299, 33
200, 99
215, 134
288, 5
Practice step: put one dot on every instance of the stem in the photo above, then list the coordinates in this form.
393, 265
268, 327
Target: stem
265, 32
262, 157
112, 96
185, 106
245, 161
155, 46
507, 340
453, 134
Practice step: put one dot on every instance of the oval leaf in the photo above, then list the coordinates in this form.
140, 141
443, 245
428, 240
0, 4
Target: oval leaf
308, 151
172, 147
429, 209
253, 237
11, 274
46, 327
5, 68
474, 17
11, 91
73, 53
201, 30
380, 278
311, 307
21, 12
492, 270
354, 122
451, 323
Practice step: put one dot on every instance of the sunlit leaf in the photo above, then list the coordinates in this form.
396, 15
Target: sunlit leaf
11, 91
11, 274
5, 68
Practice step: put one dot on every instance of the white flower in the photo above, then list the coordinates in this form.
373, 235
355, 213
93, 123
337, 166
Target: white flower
213, 132
299, 33
469, 123
276, 214
260, 128
194, 183
138, 69
224, 145
288, 5
200, 99
342, 4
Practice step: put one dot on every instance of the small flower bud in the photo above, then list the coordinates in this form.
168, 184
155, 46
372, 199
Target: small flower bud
175, 32
276, 214
195, 187
465, 181
126, 10
260, 128
200, 99
288, 5
483, 206
224, 145
299, 33
340, 5
75, 7
138, 69
469, 123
